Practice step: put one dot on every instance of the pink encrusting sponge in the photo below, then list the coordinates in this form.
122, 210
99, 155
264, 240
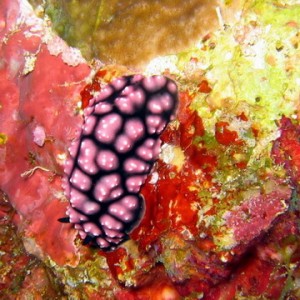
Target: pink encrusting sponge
110, 161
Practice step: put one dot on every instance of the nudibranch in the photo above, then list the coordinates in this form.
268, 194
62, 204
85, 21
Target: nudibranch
110, 161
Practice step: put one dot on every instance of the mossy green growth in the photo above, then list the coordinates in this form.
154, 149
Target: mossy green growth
3, 138
252, 67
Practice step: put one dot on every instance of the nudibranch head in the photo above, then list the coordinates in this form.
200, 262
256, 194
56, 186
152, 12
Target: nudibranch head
109, 162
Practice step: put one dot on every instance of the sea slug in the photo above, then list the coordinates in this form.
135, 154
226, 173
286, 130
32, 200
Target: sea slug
117, 147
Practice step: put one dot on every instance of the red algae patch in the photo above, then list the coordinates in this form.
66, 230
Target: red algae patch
29, 170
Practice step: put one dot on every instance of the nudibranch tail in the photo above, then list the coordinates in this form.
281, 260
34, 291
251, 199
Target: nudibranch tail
117, 147
64, 220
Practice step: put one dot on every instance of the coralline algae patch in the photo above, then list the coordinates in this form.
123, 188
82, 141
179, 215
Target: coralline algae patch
37, 120
20, 271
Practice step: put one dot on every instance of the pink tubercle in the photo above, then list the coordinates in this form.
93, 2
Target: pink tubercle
134, 183
102, 108
76, 217
156, 148
89, 207
137, 97
116, 192
123, 143
91, 228
155, 106
68, 167
121, 212
134, 129
81, 202
105, 186
119, 83
113, 233
87, 157
130, 202
137, 78
114, 241
127, 90
102, 243
88, 111
105, 93
89, 124
134, 165
124, 105
108, 127
129, 103
167, 102
154, 83
145, 151
155, 124
110, 222
73, 148
80, 180
107, 160
77, 198
82, 234
172, 87
161, 103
